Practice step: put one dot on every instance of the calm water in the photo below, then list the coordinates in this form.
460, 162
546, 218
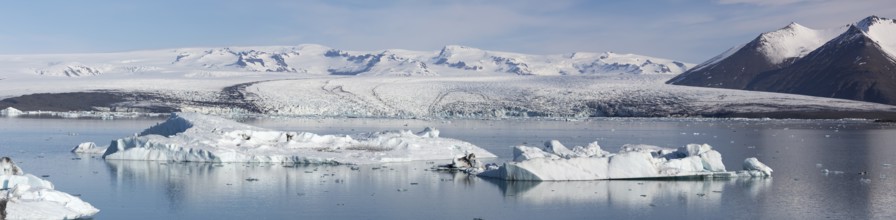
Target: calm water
796, 149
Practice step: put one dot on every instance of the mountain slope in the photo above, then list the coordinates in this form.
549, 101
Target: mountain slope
852, 66
857, 64
771, 50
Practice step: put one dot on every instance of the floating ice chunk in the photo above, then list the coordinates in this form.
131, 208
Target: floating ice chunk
10, 112
30, 197
632, 162
865, 180
88, 148
468, 163
202, 138
753, 164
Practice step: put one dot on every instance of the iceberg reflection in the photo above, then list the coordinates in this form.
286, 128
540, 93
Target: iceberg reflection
630, 193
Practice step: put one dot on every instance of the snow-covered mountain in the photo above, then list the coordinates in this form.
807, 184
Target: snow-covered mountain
855, 63
466, 58
322, 60
768, 51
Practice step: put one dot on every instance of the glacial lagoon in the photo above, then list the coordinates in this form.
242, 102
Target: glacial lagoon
857, 155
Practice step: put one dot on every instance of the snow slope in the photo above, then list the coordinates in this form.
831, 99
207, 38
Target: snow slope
794, 41
201, 138
882, 31
776, 47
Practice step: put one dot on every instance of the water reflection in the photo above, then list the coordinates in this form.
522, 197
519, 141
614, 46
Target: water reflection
628, 193
191, 184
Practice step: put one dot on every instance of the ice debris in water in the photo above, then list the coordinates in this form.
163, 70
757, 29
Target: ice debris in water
26, 196
468, 163
556, 162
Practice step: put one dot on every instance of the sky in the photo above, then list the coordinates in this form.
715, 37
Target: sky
685, 30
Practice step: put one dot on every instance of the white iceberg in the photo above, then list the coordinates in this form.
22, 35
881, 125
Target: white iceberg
558, 163
757, 168
202, 138
11, 112
88, 148
29, 197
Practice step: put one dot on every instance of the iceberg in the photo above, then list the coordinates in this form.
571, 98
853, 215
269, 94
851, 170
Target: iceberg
11, 112
557, 163
88, 148
25, 196
202, 138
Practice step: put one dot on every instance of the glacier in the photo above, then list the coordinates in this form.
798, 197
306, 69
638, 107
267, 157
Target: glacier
318, 81
29, 197
556, 162
196, 137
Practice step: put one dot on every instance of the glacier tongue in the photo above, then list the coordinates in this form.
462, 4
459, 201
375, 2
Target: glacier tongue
201, 138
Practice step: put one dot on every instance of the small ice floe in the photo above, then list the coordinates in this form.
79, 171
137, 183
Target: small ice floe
467, 163
29, 197
834, 172
555, 162
88, 148
752, 166
865, 180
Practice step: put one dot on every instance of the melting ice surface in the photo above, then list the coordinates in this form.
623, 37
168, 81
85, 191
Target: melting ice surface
798, 150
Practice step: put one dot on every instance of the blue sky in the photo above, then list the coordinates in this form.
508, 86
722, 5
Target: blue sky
688, 30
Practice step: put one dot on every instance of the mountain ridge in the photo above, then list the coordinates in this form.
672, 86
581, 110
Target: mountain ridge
856, 64
322, 60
